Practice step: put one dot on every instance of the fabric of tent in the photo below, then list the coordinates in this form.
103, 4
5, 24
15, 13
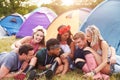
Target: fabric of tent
2, 32
42, 16
106, 17
72, 18
12, 23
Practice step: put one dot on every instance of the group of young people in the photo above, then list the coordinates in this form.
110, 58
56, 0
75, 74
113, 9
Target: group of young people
87, 51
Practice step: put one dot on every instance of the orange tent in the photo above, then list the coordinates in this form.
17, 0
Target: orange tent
72, 18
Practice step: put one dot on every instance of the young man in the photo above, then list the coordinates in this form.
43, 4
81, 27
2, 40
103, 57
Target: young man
52, 53
84, 59
11, 62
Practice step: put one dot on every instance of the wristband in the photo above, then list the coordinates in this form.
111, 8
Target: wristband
46, 67
93, 72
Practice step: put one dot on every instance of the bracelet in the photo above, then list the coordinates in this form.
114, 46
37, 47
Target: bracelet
46, 67
94, 72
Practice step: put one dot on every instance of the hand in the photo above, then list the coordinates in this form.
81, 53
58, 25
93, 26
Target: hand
63, 56
17, 44
48, 66
89, 74
24, 65
19, 72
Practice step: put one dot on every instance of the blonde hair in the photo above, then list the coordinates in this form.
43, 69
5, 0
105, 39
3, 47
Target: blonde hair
79, 35
95, 33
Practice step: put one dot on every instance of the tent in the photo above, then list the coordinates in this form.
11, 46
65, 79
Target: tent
12, 23
2, 32
106, 16
42, 16
72, 18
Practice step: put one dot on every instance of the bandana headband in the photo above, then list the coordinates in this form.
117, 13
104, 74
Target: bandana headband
55, 46
64, 29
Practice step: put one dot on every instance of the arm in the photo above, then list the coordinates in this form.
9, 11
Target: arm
113, 55
44, 67
13, 74
72, 47
18, 43
41, 67
3, 71
101, 60
41, 57
104, 57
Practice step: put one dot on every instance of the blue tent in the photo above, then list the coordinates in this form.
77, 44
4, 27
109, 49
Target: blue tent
106, 17
12, 23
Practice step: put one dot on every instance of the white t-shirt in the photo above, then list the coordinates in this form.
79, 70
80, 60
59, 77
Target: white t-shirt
65, 48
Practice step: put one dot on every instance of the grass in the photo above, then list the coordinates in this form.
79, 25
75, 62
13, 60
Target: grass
5, 44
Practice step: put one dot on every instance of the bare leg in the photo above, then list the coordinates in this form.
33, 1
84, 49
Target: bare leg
59, 69
65, 65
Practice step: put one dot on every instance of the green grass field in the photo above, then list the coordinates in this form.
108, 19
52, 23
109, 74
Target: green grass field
5, 44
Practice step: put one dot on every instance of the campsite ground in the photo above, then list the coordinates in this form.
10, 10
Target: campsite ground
5, 44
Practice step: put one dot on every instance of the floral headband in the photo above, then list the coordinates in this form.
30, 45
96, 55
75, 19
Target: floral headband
40, 28
64, 29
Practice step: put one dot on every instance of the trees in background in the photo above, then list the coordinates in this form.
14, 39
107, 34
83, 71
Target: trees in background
12, 6
57, 6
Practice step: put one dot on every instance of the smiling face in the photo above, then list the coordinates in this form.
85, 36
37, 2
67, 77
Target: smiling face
55, 51
65, 36
26, 52
30, 55
80, 43
80, 40
88, 36
38, 36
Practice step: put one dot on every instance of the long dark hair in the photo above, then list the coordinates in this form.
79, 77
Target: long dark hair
69, 40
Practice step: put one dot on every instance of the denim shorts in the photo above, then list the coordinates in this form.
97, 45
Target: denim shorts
115, 68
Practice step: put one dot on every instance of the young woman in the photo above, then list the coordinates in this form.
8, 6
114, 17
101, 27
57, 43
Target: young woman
105, 55
66, 43
37, 41
84, 59
65, 38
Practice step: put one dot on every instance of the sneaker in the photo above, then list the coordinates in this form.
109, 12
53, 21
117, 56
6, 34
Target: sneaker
49, 74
